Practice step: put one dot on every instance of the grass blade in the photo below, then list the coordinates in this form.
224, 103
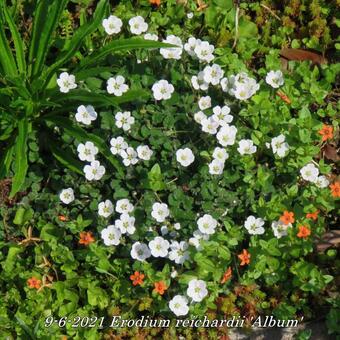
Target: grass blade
119, 46
18, 42
21, 164
46, 19
83, 136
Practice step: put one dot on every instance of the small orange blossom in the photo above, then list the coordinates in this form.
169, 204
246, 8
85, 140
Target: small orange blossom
137, 278
160, 287
244, 257
226, 275
86, 238
335, 189
304, 231
33, 282
313, 216
287, 217
326, 132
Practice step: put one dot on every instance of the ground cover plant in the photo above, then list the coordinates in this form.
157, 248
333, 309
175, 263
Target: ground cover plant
159, 159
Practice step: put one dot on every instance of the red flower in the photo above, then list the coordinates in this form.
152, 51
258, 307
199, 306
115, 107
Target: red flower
287, 217
137, 278
86, 238
155, 2
160, 287
33, 282
335, 189
313, 216
227, 275
304, 231
326, 132
244, 257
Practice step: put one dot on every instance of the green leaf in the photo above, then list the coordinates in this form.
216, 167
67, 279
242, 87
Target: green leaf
155, 178
72, 46
7, 60
46, 19
18, 42
82, 135
25, 328
6, 161
20, 165
64, 156
119, 46
99, 100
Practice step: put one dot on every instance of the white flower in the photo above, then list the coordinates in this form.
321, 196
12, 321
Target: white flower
105, 209
197, 290
242, 87
117, 86
246, 147
322, 182
216, 167
117, 145
177, 226
199, 116
209, 125
124, 120
204, 51
172, 52
280, 229
279, 146
190, 15
227, 135
198, 82
185, 156
190, 46
67, 195
174, 274
207, 224
160, 211
159, 247
178, 252
179, 305
112, 25
140, 251
224, 84
111, 235
196, 239
164, 230
221, 115
66, 82
86, 114
220, 154
213, 74
151, 36
138, 25
144, 152
129, 156
87, 152
123, 206
126, 224
275, 79
204, 102
254, 225
162, 90
94, 171
310, 173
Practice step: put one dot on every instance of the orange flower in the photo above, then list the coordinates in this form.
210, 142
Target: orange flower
86, 238
62, 218
304, 231
244, 257
33, 282
287, 217
313, 216
137, 278
326, 132
155, 2
335, 188
226, 275
160, 287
